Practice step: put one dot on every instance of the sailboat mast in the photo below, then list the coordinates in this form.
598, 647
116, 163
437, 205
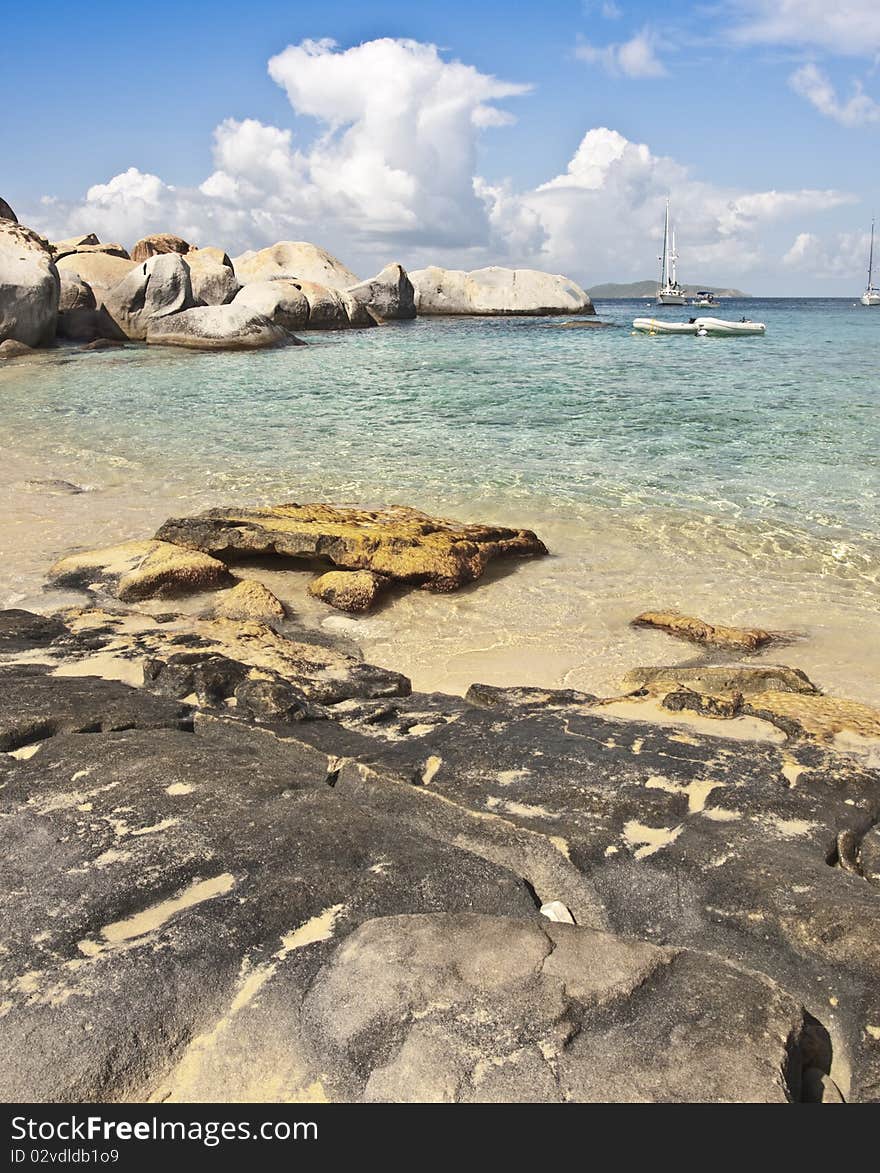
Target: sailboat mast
664, 260
673, 258
871, 258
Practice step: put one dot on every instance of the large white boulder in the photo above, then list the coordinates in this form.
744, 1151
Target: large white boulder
497, 291
297, 259
152, 290
281, 301
100, 270
387, 297
29, 286
78, 316
218, 327
212, 276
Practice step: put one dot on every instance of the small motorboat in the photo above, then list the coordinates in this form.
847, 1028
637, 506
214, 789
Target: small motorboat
720, 327
705, 300
658, 326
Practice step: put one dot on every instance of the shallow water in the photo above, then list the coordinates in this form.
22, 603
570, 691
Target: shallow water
735, 478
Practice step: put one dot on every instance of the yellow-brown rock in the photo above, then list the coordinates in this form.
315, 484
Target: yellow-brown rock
140, 570
819, 717
157, 243
248, 601
354, 591
398, 542
698, 631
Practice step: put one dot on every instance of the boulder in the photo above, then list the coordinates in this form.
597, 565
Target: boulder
218, 327
88, 246
724, 680
329, 308
294, 259
6, 213
100, 270
140, 570
735, 639
497, 291
152, 291
349, 590
29, 286
78, 316
12, 349
212, 276
157, 245
398, 542
249, 601
281, 300
387, 297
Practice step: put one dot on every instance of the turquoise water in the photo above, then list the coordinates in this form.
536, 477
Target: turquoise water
745, 465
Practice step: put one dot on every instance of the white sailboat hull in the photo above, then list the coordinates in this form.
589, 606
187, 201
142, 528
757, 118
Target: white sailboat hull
718, 327
671, 298
658, 326
871, 297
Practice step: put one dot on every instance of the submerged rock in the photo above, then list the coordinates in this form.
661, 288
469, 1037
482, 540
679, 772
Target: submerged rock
140, 570
349, 590
725, 679
497, 291
737, 639
29, 286
10, 348
398, 542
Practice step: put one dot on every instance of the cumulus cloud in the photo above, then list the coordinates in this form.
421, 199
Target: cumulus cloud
842, 255
812, 83
849, 27
636, 58
391, 172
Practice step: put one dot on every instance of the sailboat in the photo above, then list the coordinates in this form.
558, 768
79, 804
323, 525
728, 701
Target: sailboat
871, 296
669, 292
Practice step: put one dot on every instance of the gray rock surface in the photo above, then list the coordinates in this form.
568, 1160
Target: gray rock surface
497, 291
218, 327
29, 286
153, 291
387, 297
296, 259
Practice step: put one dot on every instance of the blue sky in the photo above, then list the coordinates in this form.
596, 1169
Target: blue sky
554, 147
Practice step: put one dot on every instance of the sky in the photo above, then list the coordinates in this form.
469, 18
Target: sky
461, 134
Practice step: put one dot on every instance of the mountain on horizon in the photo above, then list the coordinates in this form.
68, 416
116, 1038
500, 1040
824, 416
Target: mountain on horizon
649, 288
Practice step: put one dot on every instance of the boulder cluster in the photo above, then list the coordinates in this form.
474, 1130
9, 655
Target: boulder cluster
168, 292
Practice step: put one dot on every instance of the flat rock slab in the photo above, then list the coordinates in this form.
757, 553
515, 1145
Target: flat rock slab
140, 570
737, 639
398, 542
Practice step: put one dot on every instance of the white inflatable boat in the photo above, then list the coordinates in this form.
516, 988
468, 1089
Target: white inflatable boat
719, 327
659, 326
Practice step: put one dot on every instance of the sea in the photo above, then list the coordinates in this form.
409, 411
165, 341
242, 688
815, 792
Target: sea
737, 479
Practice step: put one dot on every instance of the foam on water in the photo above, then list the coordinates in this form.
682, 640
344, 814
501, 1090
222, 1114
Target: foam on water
737, 478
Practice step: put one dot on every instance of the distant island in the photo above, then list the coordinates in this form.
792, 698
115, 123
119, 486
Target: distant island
649, 288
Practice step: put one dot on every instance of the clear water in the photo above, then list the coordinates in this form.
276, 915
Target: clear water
736, 477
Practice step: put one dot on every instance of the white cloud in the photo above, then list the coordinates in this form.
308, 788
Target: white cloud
849, 27
843, 255
392, 173
813, 84
636, 58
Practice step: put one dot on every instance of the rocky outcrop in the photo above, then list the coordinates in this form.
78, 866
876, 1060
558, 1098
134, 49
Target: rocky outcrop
6, 212
497, 291
212, 276
218, 327
297, 260
354, 591
387, 297
398, 543
280, 862
152, 291
734, 639
10, 348
140, 570
85, 246
29, 286
157, 245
